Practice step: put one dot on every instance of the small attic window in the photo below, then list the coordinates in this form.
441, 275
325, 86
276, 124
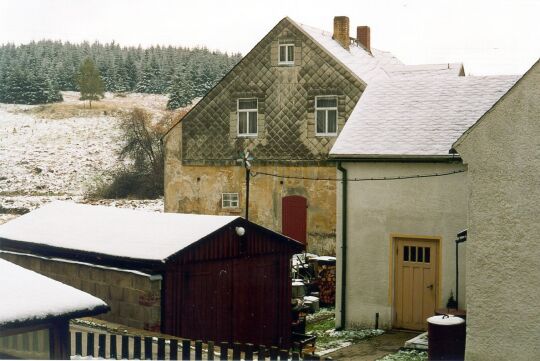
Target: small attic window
286, 54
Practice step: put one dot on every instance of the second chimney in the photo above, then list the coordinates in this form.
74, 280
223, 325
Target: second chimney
363, 36
341, 31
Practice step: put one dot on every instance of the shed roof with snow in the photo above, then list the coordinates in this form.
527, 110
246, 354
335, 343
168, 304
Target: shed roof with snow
419, 117
28, 297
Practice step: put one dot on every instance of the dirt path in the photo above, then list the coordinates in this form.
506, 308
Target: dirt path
373, 348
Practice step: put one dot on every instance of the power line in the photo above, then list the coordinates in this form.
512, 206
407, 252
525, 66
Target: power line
255, 173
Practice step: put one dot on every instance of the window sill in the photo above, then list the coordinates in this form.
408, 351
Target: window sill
286, 64
247, 135
329, 135
235, 210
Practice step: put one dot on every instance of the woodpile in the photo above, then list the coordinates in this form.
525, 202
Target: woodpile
327, 283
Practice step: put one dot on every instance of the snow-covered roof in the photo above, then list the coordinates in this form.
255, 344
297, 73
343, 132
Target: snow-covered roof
112, 231
417, 117
29, 296
377, 64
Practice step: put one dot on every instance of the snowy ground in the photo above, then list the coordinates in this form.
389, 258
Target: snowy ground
42, 159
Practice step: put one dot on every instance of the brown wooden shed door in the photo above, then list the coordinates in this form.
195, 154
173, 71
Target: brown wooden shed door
415, 285
294, 217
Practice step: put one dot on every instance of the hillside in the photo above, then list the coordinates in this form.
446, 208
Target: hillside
58, 151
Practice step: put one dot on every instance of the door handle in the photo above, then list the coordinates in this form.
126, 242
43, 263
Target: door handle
430, 287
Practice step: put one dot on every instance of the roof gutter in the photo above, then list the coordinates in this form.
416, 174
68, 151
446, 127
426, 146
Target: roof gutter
395, 158
343, 244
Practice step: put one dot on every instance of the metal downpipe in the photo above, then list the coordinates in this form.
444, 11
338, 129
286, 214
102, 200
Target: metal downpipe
343, 243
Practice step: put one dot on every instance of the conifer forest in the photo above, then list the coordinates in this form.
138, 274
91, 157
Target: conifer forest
35, 73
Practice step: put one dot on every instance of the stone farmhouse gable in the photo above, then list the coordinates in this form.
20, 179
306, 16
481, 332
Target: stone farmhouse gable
285, 95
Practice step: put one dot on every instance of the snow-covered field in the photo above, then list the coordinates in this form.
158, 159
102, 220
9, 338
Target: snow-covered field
42, 159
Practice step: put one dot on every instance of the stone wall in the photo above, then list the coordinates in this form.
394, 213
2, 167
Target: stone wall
135, 299
198, 189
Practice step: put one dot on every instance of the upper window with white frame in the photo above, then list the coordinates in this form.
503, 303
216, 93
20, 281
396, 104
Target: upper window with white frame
247, 117
326, 115
286, 54
229, 200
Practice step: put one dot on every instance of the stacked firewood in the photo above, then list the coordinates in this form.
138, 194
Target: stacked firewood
327, 283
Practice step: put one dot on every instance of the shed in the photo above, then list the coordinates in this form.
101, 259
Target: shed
219, 278
35, 312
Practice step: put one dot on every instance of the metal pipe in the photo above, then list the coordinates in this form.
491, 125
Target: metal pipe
343, 243
462, 237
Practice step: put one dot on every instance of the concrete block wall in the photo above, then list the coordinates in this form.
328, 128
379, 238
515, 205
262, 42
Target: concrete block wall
135, 299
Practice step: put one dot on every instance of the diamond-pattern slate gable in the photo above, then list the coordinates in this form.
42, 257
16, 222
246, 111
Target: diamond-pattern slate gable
286, 103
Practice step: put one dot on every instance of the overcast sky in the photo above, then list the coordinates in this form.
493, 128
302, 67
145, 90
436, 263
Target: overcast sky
488, 36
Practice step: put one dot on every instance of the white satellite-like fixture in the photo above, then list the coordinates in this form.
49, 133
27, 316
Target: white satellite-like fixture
240, 231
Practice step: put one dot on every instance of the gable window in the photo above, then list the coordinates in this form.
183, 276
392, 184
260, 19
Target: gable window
247, 117
229, 200
286, 54
326, 115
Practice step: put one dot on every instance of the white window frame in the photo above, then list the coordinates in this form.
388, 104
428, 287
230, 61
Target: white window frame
238, 111
231, 201
286, 62
326, 109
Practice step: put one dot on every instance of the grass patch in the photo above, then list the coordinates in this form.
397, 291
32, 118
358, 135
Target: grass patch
406, 355
323, 326
70, 110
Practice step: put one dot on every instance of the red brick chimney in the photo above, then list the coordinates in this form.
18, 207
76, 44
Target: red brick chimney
341, 31
363, 36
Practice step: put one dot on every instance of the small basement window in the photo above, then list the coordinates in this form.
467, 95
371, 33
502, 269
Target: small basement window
286, 54
247, 117
326, 115
229, 200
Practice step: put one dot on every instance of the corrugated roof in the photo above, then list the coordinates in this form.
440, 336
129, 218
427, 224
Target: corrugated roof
112, 231
417, 117
28, 296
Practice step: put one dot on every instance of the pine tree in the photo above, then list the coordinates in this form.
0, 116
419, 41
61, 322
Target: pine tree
182, 92
90, 83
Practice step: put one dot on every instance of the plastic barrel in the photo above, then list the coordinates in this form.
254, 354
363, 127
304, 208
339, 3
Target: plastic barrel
446, 338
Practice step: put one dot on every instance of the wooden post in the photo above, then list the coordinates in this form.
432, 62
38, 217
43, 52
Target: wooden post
78, 343
137, 347
236, 351
284, 355
248, 354
261, 356
210, 350
90, 344
125, 347
224, 349
59, 341
274, 353
161, 348
148, 348
113, 353
173, 349
198, 350
101, 345
186, 349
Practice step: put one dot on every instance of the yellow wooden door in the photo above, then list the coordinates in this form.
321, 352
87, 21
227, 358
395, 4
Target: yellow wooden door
415, 282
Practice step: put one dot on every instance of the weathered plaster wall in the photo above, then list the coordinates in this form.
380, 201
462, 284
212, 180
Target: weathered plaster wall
503, 284
377, 210
135, 300
198, 189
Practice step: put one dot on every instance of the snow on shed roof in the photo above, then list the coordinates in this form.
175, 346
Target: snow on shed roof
29, 296
112, 231
417, 117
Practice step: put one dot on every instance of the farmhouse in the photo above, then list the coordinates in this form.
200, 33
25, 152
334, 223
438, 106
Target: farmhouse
502, 153
403, 230
286, 102
218, 278
35, 312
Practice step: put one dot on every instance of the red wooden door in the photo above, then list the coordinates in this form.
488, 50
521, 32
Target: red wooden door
294, 217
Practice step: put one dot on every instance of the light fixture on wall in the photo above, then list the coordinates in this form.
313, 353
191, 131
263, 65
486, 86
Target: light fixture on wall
240, 231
